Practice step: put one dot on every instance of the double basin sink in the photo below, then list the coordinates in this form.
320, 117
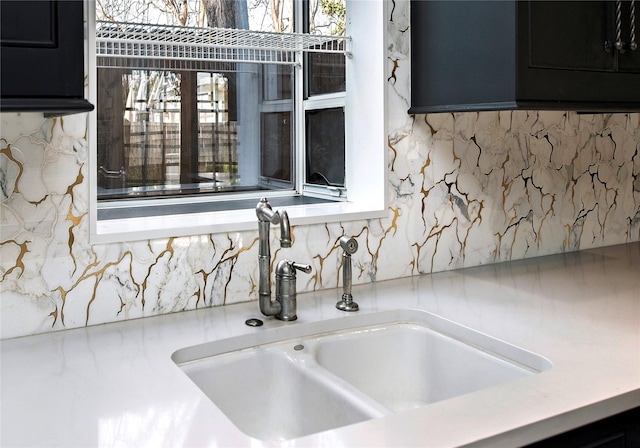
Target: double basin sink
291, 381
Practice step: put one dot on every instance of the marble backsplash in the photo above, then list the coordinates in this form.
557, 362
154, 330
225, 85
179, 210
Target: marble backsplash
464, 189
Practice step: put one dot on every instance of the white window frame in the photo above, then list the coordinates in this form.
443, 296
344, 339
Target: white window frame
365, 143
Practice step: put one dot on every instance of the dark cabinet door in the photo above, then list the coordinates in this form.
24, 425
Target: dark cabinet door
578, 35
42, 56
569, 35
566, 59
619, 431
522, 54
629, 62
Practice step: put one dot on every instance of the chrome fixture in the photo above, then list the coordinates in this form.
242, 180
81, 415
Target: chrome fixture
350, 246
284, 307
286, 293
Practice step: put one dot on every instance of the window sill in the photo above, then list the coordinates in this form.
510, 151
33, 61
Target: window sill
147, 228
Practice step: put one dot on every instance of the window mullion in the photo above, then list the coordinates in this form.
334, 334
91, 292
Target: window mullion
299, 125
301, 20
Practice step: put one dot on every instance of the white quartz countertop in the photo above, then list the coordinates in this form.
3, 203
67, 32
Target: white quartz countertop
116, 384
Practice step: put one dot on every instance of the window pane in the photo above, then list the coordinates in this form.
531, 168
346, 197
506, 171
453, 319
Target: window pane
166, 132
326, 72
276, 160
327, 17
276, 85
139, 131
217, 135
325, 147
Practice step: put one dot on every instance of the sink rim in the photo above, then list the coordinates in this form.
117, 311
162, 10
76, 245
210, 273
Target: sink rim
302, 330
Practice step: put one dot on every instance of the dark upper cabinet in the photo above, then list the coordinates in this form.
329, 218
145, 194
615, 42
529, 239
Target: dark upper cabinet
42, 57
493, 55
618, 431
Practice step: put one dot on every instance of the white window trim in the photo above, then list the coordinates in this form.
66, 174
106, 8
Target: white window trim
366, 143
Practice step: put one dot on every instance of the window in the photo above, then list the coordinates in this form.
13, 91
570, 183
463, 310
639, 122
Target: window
201, 135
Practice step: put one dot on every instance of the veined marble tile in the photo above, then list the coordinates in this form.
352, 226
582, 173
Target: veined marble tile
464, 189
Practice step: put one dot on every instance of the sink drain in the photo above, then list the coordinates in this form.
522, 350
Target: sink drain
253, 322
298, 347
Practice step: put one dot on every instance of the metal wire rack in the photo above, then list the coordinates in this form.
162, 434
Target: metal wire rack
190, 47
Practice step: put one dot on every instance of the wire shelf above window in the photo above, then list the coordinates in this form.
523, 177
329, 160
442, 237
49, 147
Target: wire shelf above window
190, 48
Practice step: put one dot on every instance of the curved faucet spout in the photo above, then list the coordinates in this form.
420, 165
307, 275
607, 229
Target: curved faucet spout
285, 229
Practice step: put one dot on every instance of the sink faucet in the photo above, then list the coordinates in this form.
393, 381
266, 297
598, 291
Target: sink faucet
286, 295
284, 307
350, 246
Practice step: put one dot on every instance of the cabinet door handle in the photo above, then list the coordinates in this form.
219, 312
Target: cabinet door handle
619, 44
633, 46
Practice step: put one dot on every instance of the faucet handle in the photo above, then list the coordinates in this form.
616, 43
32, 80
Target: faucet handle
286, 293
306, 268
288, 267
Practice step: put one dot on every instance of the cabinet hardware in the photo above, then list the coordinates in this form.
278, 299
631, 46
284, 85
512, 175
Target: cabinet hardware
633, 45
619, 45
